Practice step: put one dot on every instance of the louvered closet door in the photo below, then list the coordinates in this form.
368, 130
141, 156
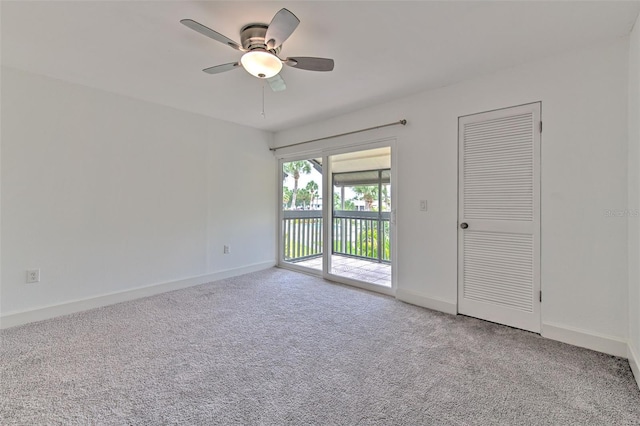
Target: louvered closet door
499, 216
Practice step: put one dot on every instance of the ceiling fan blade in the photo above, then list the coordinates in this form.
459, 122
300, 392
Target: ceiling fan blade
206, 31
281, 27
222, 68
277, 83
310, 63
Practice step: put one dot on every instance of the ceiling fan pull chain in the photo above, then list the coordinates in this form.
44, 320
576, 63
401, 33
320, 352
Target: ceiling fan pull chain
262, 113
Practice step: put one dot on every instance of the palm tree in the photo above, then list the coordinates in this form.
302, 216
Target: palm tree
312, 187
294, 168
367, 193
304, 197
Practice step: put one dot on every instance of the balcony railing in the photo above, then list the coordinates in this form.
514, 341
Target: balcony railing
362, 234
355, 233
302, 234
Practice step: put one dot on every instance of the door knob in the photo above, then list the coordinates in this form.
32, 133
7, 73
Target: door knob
464, 225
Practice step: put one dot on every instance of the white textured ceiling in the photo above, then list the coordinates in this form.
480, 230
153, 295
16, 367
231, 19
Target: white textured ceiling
382, 50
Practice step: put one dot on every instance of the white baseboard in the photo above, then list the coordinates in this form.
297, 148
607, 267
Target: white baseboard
634, 362
427, 302
585, 339
46, 312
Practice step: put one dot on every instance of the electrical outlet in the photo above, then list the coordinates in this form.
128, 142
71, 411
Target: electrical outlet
33, 275
423, 205
227, 249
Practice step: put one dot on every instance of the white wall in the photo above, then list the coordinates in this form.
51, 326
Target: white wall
104, 193
634, 199
584, 173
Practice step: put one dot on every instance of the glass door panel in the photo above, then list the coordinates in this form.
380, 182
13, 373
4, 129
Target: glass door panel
301, 231
360, 218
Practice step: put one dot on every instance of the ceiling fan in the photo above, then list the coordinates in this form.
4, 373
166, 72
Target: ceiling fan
262, 44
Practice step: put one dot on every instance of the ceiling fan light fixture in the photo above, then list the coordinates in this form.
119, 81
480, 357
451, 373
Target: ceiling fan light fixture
261, 64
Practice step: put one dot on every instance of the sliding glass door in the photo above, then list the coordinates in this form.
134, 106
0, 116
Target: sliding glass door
336, 216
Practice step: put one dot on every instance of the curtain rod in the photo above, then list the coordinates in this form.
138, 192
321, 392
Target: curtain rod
403, 122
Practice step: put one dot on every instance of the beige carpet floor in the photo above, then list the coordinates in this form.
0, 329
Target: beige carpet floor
278, 347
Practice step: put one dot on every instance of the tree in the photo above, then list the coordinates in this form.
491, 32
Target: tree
337, 205
386, 200
312, 188
336, 201
286, 195
366, 193
304, 197
294, 168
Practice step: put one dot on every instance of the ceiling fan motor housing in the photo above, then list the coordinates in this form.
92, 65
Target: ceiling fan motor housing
252, 37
